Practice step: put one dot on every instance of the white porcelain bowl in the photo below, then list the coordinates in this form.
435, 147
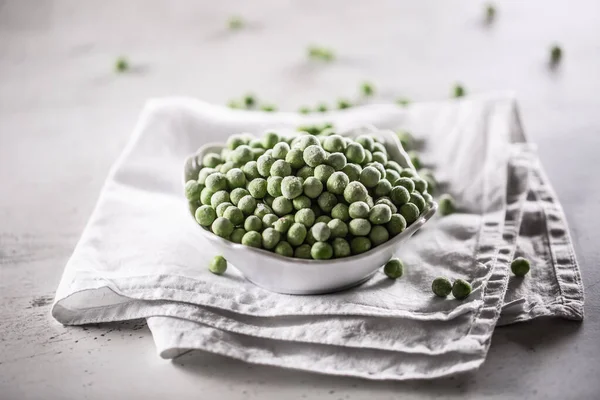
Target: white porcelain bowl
300, 276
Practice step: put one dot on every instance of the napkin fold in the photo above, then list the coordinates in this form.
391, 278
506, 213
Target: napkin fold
141, 256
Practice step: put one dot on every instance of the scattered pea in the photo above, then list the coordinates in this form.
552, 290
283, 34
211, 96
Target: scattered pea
520, 266
446, 204
394, 268
218, 265
441, 287
461, 289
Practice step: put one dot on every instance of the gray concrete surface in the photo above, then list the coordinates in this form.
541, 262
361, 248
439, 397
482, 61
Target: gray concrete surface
65, 116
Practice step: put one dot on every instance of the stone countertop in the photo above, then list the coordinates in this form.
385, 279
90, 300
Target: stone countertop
65, 115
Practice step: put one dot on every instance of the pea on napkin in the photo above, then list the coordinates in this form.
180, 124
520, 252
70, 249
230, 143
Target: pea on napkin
141, 255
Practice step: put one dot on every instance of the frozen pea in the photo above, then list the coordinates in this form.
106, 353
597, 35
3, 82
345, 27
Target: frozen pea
274, 185
205, 215
355, 153
282, 225
387, 201
418, 200
225, 152
280, 150
327, 201
281, 168
391, 175
270, 139
360, 245
427, 197
253, 223
302, 251
218, 265
204, 173
370, 202
250, 170
211, 160
258, 188
380, 214
237, 194
391, 164
406, 183
323, 172
307, 140
341, 248
255, 143
268, 220
314, 155
394, 268
323, 218
270, 238
355, 191
441, 287
378, 235
242, 154
264, 164
219, 197
337, 182
321, 251
379, 168
295, 158
352, 171
316, 209
408, 173
337, 161
301, 202
396, 225
410, 212
193, 190
205, 196
222, 227
262, 210
247, 204
291, 187
365, 141
321, 231
368, 158
283, 248
228, 166
446, 204
414, 159
334, 144
380, 157
399, 195
252, 239
420, 184
310, 239
235, 178
519, 266
383, 188
234, 214
461, 289
305, 172
379, 148
340, 211
282, 206
358, 209
222, 207
305, 216
216, 182
237, 235
296, 234
359, 227
370, 176
268, 200
338, 228
312, 187
234, 141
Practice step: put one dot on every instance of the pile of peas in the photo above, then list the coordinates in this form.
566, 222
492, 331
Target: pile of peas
307, 196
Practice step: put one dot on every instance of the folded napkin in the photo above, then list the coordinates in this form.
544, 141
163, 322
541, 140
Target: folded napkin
141, 254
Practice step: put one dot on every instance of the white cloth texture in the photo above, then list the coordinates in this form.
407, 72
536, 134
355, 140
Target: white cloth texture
141, 254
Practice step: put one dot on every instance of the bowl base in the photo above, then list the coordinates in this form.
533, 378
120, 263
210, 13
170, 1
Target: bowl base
316, 291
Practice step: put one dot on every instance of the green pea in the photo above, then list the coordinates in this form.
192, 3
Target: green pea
211, 160
295, 158
262, 210
368, 158
237, 235
264, 164
228, 166
370, 202
359, 227
321, 231
360, 245
222, 207
250, 169
304, 110
270, 238
282, 206
383, 188
327, 201
341, 248
352, 171
242, 154
322, 107
268, 220
323, 218
253, 223
274, 185
283, 248
394, 268
306, 141
296, 234
334, 144
427, 197
458, 90
555, 55
399, 195
379, 148
461, 289
305, 216
410, 212
406, 183
280, 150
380, 214
258, 188
337, 182
291, 187
355, 191
314, 155
338, 228
301, 202
302, 251
216, 182
366, 141
341, 211
420, 184
247, 205
305, 172
218, 265
441, 287
204, 173
391, 175
268, 200
343, 104
387, 201
193, 190
355, 153
205, 215
234, 141
312, 187
370, 176
418, 200
337, 161
520, 266
235, 178
219, 197
408, 173
446, 204
380, 157
359, 209
379, 167
234, 214
378, 235
396, 225
281, 168
270, 139
321, 251
252, 239
236, 195
205, 196
367, 89
391, 164
282, 225
323, 172
222, 227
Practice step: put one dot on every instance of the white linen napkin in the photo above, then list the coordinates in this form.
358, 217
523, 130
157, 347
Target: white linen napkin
141, 254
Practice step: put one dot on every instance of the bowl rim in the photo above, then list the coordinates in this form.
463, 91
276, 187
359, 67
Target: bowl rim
409, 231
